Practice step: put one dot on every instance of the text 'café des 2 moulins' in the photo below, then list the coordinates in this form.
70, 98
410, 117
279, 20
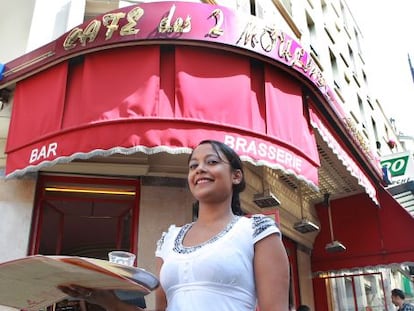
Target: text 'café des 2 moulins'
107, 114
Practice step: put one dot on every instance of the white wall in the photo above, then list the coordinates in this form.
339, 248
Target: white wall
15, 21
51, 19
16, 206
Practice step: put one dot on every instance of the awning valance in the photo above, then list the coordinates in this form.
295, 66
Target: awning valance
372, 236
346, 159
147, 99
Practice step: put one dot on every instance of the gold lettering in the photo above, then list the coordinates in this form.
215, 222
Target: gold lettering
165, 23
187, 24
182, 26
314, 73
297, 59
71, 38
284, 47
179, 25
320, 80
249, 34
310, 64
216, 31
111, 22
353, 130
90, 32
268, 39
133, 17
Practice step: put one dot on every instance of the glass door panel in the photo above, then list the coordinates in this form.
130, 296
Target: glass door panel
356, 292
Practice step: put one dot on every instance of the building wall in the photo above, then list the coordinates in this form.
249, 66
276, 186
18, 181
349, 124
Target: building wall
15, 27
305, 279
63, 15
159, 208
3, 308
16, 205
337, 43
5, 113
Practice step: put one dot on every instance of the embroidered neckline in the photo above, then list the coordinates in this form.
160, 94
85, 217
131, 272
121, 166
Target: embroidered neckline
181, 249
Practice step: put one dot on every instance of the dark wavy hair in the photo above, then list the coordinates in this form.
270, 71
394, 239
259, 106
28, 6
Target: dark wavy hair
236, 164
396, 292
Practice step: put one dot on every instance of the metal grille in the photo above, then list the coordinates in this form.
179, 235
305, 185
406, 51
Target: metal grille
333, 178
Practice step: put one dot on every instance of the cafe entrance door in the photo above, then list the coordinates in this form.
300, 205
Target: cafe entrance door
85, 216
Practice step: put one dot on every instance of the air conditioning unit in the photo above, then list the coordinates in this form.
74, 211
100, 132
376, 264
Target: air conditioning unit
265, 199
305, 226
335, 247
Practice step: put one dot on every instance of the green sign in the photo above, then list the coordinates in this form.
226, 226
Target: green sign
397, 166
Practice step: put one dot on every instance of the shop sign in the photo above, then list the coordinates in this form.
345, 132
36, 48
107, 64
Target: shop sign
400, 166
186, 23
166, 22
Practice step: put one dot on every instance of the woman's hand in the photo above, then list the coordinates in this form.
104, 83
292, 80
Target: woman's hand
104, 298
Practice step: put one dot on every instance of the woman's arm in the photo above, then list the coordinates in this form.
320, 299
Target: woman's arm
160, 299
105, 298
271, 270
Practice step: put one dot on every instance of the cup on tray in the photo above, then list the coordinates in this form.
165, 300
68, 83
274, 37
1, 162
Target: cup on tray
122, 258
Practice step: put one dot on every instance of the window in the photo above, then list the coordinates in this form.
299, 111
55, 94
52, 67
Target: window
374, 127
362, 111
334, 66
357, 292
94, 8
324, 7
344, 15
288, 6
312, 33
266, 10
364, 75
352, 58
357, 40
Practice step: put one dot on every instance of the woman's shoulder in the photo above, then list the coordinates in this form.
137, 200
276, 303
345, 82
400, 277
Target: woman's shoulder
261, 225
171, 231
258, 219
167, 236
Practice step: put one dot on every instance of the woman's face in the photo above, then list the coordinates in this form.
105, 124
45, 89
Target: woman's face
210, 175
395, 300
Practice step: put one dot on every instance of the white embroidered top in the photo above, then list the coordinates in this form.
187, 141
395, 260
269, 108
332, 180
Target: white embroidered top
216, 275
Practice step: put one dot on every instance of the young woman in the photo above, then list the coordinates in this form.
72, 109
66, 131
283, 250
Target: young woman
222, 261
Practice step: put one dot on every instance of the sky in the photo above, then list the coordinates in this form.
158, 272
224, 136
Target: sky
387, 29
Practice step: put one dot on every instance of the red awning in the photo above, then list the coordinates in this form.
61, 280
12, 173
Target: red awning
144, 99
372, 236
